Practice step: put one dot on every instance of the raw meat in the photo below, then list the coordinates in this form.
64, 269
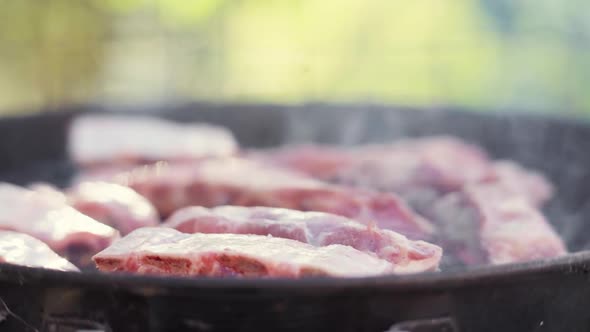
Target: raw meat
235, 181
420, 170
110, 203
451, 183
323, 162
48, 218
104, 139
22, 249
485, 223
167, 251
315, 228
429, 162
527, 183
105, 173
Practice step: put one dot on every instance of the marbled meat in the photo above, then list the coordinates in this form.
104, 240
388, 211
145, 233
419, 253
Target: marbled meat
235, 181
315, 228
48, 218
116, 139
22, 249
115, 205
485, 223
166, 251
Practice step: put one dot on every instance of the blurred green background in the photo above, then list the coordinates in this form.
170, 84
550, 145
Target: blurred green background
486, 54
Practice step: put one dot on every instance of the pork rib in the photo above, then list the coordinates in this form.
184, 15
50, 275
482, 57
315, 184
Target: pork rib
110, 203
417, 169
22, 249
116, 139
315, 228
429, 161
485, 223
453, 184
48, 218
518, 180
235, 181
167, 251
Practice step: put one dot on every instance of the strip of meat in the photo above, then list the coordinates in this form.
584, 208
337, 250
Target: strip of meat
505, 175
235, 181
22, 249
117, 139
315, 228
443, 162
104, 173
112, 204
485, 223
323, 162
49, 219
426, 173
530, 184
167, 251
418, 169
118, 206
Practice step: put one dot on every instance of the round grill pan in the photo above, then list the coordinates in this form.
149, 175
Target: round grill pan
549, 295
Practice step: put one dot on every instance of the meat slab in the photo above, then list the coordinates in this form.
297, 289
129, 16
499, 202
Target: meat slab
429, 161
47, 218
315, 228
235, 181
170, 252
116, 139
453, 184
22, 249
418, 169
110, 203
485, 223
118, 206
528, 183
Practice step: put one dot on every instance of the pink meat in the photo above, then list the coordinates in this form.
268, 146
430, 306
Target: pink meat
485, 223
442, 162
319, 161
112, 204
22, 249
315, 228
528, 183
234, 181
418, 169
104, 173
426, 172
109, 139
118, 206
167, 251
48, 218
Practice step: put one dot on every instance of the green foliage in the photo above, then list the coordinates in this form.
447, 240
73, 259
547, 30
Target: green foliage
482, 54
50, 52
172, 12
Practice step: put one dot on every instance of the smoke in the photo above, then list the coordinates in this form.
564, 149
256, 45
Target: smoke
557, 148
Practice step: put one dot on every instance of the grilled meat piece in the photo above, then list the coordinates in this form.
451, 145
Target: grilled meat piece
48, 218
22, 249
417, 169
315, 228
115, 139
485, 223
110, 203
170, 252
235, 181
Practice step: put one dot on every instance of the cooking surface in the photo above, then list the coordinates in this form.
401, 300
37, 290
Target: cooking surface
515, 297
556, 149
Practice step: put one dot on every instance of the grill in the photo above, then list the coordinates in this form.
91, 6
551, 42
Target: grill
548, 295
